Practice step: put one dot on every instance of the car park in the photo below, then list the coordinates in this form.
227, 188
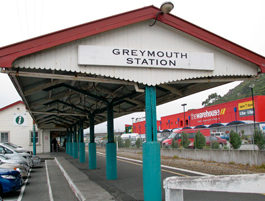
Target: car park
10, 180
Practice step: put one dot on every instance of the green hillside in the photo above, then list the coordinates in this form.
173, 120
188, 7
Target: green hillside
241, 91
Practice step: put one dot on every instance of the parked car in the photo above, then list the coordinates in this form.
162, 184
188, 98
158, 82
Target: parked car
21, 169
211, 139
9, 152
17, 147
10, 180
15, 161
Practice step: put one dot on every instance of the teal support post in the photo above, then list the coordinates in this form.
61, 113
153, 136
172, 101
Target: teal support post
70, 142
75, 144
67, 139
82, 151
151, 150
92, 157
34, 139
111, 152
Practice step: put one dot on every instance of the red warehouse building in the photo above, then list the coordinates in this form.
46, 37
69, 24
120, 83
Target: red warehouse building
237, 113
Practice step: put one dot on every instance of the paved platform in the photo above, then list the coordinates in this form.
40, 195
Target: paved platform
82, 186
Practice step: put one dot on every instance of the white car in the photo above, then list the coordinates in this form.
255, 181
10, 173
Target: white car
17, 147
15, 161
9, 152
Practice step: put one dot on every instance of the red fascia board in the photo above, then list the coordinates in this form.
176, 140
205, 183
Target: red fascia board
9, 53
11, 105
214, 39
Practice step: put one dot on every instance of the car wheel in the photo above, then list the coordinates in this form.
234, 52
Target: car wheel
220, 145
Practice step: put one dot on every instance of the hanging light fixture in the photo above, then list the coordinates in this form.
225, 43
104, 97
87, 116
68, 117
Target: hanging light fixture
165, 8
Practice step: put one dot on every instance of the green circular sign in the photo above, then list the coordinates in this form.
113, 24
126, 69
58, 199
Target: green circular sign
20, 120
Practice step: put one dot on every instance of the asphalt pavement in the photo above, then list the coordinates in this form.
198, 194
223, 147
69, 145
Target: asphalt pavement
60, 177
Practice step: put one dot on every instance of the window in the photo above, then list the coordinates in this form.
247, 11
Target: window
4, 136
37, 137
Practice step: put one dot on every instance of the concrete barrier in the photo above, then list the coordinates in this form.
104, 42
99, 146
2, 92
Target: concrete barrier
244, 157
252, 183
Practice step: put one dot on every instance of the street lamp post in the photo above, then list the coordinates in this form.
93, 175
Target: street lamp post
251, 87
184, 104
132, 123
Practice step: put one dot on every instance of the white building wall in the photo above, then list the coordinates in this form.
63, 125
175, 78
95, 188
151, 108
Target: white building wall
20, 135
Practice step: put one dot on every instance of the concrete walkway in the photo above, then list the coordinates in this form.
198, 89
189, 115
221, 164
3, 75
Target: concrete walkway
82, 186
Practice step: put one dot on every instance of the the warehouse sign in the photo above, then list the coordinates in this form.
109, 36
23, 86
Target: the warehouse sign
114, 56
19, 120
245, 109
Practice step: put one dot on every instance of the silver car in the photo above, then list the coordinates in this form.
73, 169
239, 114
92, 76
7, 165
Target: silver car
21, 169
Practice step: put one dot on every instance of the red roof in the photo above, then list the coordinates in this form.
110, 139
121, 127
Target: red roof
11, 52
11, 105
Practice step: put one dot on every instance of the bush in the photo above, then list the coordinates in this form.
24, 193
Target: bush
127, 143
138, 143
199, 141
185, 140
120, 142
259, 139
215, 145
235, 139
175, 144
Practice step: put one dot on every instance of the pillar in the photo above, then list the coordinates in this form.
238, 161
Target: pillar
70, 142
82, 152
111, 154
75, 144
67, 142
34, 139
92, 158
151, 150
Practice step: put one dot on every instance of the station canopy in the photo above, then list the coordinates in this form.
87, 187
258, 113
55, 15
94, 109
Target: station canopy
74, 73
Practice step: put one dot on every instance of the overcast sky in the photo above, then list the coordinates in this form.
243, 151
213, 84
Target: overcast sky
240, 21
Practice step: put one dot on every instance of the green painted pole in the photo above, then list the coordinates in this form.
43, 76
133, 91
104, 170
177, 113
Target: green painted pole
151, 150
75, 144
111, 152
82, 153
66, 144
71, 142
34, 139
92, 157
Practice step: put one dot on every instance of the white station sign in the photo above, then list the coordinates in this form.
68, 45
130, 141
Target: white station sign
115, 56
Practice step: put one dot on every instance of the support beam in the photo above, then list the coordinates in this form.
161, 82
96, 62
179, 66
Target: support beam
92, 145
82, 153
151, 150
75, 144
71, 142
67, 142
34, 139
111, 152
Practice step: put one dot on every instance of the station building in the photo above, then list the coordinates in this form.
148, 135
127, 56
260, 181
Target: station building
235, 115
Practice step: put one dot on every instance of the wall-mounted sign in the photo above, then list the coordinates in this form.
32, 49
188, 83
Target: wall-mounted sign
128, 57
245, 109
20, 119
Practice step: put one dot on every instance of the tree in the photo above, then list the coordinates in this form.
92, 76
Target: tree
138, 143
175, 144
185, 140
211, 99
120, 142
200, 140
127, 143
259, 139
235, 139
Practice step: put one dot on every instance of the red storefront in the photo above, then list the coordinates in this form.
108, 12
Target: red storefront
239, 110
